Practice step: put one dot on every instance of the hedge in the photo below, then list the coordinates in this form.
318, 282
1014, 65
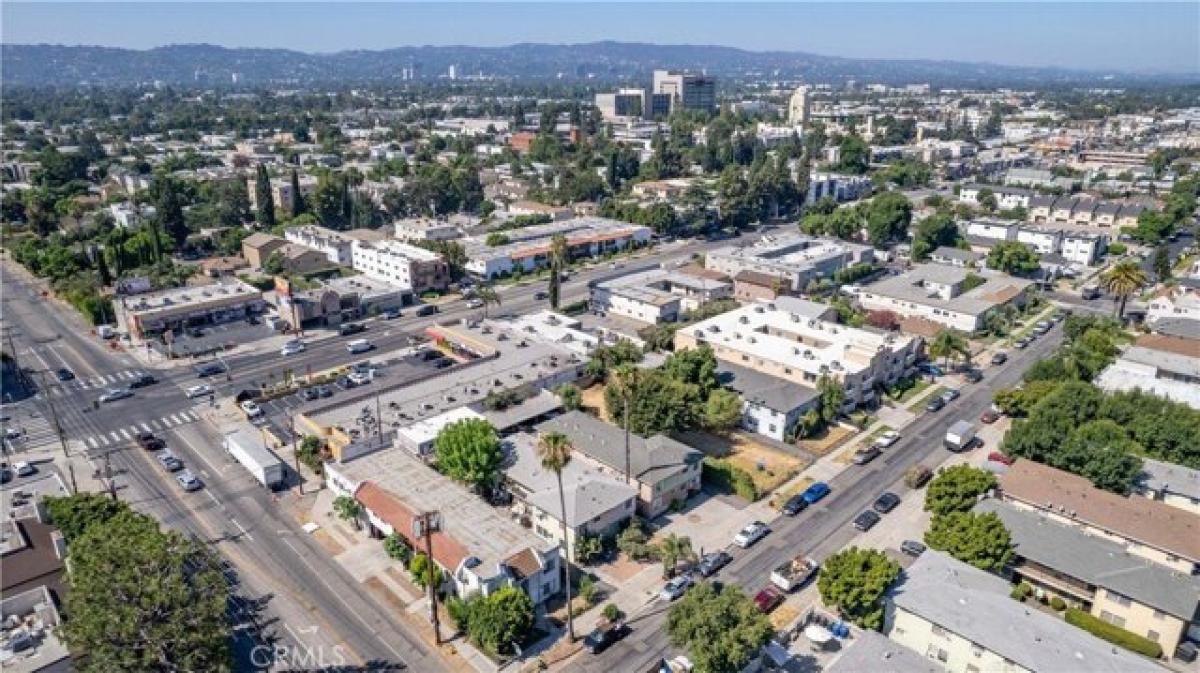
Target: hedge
1113, 634
730, 478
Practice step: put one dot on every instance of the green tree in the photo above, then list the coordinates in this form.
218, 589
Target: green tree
348, 509
397, 548
570, 396
854, 156
722, 410
1122, 280
265, 213
1013, 257
488, 296
978, 539
469, 451
950, 345
888, 217
833, 397
74, 514
558, 259
424, 571
554, 452
854, 581
298, 205
496, 239
987, 199
672, 550
1102, 451
142, 599
1162, 263
720, 628
933, 232
499, 621
957, 489
273, 264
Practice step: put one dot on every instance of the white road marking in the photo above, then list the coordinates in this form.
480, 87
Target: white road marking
125, 434
93, 443
115, 436
242, 528
146, 427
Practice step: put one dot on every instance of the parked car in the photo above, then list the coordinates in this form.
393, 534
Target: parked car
999, 358
114, 394
475, 303
917, 475
540, 295
886, 502
912, 548
973, 375
199, 391
169, 461
390, 314
24, 469
148, 441
794, 505
292, 348
251, 409
866, 521
1042, 326
866, 455
64, 374
361, 378
950, 395
605, 634
768, 599
1022, 343
676, 588
142, 381
998, 457
752, 533
935, 404
814, 493
351, 328
324, 391
344, 383
712, 562
308, 394
989, 416
887, 439
426, 309
930, 369
188, 481
210, 369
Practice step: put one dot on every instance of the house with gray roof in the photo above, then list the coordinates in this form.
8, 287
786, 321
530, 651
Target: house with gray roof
662, 469
955, 257
1099, 576
964, 618
955, 297
771, 406
1173, 484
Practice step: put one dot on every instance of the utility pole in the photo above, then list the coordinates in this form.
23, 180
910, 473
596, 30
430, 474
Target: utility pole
62, 440
296, 454
108, 475
378, 417
424, 526
625, 394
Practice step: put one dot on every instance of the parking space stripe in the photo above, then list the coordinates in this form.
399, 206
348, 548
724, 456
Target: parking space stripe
125, 434
91, 441
115, 436
145, 427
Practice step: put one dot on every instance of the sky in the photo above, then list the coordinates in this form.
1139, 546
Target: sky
1128, 37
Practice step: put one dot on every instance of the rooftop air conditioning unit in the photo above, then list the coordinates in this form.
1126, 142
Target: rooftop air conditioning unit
744, 320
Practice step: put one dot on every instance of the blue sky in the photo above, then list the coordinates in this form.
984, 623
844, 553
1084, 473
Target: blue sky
1137, 36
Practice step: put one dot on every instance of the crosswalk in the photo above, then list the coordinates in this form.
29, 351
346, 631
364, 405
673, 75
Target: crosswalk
36, 432
64, 388
126, 434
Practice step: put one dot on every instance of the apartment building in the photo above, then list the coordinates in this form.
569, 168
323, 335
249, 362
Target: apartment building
656, 295
401, 264
794, 259
1007, 198
1099, 576
1172, 484
528, 248
771, 406
337, 246
622, 104
1181, 302
1084, 211
662, 469
1148, 529
281, 191
837, 186
1167, 366
1080, 246
792, 346
954, 297
431, 229
964, 619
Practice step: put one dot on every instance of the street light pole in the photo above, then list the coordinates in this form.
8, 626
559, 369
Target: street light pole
62, 440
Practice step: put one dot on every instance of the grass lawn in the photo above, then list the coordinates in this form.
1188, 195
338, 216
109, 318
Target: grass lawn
829, 439
920, 384
743, 452
781, 496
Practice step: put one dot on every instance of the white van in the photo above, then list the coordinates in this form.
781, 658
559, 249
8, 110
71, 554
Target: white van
359, 346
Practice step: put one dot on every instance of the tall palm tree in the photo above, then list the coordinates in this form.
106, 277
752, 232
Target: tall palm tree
1121, 281
558, 259
625, 378
554, 452
673, 549
488, 295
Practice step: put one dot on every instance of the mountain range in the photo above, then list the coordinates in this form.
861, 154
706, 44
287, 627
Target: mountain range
207, 65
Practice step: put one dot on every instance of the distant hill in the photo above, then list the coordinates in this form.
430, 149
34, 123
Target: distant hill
208, 65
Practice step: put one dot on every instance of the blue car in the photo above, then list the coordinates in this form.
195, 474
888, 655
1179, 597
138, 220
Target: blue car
930, 369
815, 492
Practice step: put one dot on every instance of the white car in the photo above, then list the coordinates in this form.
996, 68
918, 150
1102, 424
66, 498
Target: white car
114, 394
675, 588
199, 391
747, 536
24, 469
362, 378
887, 439
251, 408
291, 348
188, 481
12, 433
475, 303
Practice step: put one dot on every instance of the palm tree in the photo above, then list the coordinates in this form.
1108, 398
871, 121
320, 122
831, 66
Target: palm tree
558, 259
673, 549
1121, 281
488, 295
948, 344
554, 451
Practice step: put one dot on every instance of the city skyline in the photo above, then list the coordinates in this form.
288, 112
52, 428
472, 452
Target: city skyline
1121, 37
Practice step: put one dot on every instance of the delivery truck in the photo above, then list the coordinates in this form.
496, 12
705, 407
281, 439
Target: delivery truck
247, 447
960, 436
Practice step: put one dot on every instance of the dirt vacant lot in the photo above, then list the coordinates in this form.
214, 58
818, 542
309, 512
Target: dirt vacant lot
744, 452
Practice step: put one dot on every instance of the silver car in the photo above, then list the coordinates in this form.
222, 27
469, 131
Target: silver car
188, 481
114, 394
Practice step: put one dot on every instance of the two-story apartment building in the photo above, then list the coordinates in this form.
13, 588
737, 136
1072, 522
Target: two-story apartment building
795, 259
954, 297
1172, 484
1007, 198
657, 295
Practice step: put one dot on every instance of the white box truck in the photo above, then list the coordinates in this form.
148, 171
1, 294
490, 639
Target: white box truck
794, 573
247, 448
960, 436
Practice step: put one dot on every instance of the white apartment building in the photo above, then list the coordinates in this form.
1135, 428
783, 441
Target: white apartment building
1075, 245
1176, 302
656, 295
1007, 198
794, 258
430, 229
837, 186
401, 264
954, 297
333, 244
791, 346
528, 248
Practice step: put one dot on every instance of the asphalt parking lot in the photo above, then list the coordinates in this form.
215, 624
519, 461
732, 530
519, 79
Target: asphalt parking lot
214, 337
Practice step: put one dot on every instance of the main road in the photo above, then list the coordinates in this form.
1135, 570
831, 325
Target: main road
825, 528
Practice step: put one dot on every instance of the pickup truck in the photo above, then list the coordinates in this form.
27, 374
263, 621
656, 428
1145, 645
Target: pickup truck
794, 573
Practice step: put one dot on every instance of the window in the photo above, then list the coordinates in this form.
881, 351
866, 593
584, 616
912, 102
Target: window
1109, 617
976, 651
939, 631
1152, 635
1117, 598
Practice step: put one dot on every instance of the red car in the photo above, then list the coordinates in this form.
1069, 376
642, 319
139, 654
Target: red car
998, 457
768, 599
989, 416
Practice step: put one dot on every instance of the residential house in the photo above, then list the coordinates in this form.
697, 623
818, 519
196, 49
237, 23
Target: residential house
1173, 484
257, 247
1167, 366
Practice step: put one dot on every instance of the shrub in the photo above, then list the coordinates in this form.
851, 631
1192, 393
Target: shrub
1058, 604
612, 613
588, 591
730, 478
1021, 591
1113, 634
1117, 248
396, 548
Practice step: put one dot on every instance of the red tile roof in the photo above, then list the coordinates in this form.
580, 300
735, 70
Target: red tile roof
446, 550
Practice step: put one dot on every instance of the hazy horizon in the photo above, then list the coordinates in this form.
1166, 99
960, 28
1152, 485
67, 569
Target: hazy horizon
1118, 37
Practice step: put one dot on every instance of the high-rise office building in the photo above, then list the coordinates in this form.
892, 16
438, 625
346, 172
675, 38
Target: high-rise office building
800, 107
686, 91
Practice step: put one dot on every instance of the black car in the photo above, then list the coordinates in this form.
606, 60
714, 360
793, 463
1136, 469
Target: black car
886, 502
351, 328
935, 404
309, 394
142, 381
973, 375
866, 521
426, 309
345, 383
711, 563
604, 635
210, 369
541, 294
324, 391
794, 505
195, 332
999, 358
912, 548
64, 374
